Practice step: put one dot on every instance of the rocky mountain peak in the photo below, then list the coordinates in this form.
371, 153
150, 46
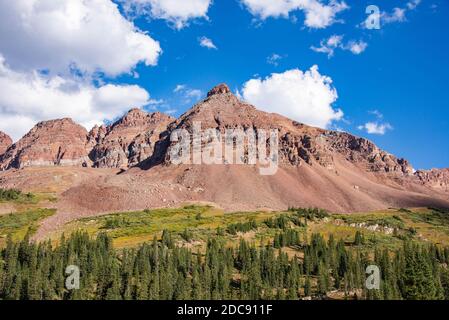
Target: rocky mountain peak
137, 117
219, 89
128, 141
5, 142
134, 114
48, 143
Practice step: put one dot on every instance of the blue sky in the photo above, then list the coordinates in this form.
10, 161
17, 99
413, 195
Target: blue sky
391, 89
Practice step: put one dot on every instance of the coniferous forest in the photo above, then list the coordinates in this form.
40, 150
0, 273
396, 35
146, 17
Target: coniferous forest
161, 270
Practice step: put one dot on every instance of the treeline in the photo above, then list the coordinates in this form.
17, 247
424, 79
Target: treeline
160, 270
310, 213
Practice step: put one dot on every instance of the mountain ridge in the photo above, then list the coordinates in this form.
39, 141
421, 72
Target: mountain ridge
127, 166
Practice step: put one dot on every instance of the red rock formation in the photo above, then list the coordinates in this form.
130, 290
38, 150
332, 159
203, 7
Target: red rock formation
435, 178
128, 141
56, 142
5, 142
219, 89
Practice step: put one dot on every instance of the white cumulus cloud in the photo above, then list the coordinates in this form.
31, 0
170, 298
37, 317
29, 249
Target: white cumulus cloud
177, 12
376, 128
328, 46
318, 14
307, 97
179, 87
88, 35
27, 98
356, 47
207, 43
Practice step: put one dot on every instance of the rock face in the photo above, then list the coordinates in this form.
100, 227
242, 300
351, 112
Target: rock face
220, 89
57, 142
298, 143
435, 178
128, 141
5, 142
364, 152
62, 142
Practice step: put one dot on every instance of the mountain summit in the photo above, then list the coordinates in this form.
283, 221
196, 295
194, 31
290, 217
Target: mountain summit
219, 89
59, 142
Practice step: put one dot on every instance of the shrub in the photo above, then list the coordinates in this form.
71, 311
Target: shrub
242, 227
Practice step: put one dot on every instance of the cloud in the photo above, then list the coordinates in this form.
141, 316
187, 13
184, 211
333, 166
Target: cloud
317, 14
413, 4
307, 97
376, 113
274, 59
26, 98
194, 93
356, 47
177, 12
375, 128
207, 43
328, 46
397, 15
179, 87
66, 35
188, 94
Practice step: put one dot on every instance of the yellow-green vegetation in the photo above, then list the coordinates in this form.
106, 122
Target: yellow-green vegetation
18, 224
21, 212
132, 228
13, 200
16, 196
192, 225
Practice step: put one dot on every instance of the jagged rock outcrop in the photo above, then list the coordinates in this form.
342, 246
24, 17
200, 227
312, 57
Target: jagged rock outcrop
5, 142
435, 178
57, 142
219, 89
128, 141
360, 150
